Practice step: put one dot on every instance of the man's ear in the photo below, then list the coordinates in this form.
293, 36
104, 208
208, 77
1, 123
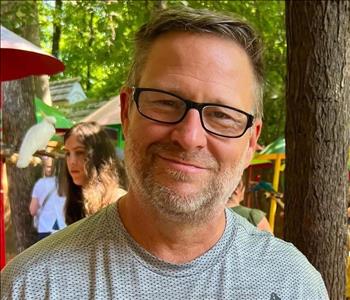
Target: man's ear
253, 141
125, 98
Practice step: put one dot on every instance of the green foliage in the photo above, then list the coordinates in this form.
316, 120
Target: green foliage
18, 16
96, 44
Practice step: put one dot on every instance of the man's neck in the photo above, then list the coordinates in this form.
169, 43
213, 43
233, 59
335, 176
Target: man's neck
172, 242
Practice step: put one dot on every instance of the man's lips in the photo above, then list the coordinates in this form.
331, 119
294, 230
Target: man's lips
182, 163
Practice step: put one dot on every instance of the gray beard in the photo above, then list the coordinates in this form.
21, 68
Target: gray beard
193, 208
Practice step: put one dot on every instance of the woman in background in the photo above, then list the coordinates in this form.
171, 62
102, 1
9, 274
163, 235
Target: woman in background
90, 176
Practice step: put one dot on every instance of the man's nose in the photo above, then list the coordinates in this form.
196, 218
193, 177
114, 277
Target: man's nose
189, 133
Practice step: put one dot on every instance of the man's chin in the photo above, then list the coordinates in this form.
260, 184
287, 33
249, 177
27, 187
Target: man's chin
183, 207
182, 188
172, 177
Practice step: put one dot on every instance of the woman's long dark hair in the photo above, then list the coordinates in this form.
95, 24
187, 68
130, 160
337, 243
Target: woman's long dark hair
101, 167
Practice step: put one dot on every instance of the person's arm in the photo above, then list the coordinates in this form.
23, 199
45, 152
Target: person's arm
264, 225
34, 206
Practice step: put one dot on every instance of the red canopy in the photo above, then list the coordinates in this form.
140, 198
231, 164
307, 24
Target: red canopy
21, 58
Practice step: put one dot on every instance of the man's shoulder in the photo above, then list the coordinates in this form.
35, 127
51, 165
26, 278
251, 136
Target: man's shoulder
62, 248
270, 257
264, 246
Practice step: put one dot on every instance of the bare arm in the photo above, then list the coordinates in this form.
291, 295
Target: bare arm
34, 206
264, 225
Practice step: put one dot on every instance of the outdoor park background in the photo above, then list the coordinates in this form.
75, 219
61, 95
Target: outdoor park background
93, 39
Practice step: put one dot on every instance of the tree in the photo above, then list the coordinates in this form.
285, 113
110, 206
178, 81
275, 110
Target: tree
57, 28
317, 135
18, 116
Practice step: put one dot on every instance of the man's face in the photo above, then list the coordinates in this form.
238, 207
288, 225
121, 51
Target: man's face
180, 170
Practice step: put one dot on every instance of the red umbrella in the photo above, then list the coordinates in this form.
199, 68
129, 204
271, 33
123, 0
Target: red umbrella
21, 58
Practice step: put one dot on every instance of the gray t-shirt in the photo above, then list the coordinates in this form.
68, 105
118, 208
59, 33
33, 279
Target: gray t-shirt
96, 258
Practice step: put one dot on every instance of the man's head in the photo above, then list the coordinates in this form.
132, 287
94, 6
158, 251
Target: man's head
190, 133
199, 21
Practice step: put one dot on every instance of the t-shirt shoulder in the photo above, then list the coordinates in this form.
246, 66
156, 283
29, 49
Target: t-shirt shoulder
270, 251
55, 247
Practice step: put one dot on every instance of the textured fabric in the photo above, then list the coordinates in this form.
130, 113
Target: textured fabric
254, 216
53, 210
96, 258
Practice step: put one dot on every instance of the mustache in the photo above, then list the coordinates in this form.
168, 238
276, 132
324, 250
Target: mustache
199, 157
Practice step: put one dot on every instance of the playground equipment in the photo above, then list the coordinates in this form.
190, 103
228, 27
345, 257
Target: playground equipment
274, 152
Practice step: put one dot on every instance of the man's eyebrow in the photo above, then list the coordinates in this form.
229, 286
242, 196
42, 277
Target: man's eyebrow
177, 92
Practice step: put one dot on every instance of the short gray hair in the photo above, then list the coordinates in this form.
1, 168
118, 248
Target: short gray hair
186, 19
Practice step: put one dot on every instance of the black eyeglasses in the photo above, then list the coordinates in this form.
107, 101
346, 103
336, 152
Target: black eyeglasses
168, 108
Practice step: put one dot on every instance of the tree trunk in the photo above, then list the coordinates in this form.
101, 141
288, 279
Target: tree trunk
159, 4
317, 135
18, 116
57, 28
90, 43
32, 34
42, 89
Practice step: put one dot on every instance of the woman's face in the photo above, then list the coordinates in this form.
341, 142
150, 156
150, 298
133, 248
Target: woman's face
75, 159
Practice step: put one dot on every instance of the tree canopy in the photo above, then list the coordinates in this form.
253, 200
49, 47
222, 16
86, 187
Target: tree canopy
95, 43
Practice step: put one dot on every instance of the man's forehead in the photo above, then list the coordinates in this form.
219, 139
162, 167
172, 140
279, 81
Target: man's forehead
196, 47
181, 56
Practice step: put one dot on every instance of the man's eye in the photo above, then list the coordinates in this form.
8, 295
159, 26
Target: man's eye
221, 115
166, 103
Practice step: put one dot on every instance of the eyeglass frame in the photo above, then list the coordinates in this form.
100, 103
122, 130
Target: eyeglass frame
136, 91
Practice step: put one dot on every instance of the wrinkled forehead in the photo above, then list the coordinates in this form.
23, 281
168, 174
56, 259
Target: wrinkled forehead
189, 59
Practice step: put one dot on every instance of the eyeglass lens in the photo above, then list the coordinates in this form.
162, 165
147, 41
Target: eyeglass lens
163, 107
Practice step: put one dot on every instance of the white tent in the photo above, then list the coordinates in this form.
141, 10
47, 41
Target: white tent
108, 114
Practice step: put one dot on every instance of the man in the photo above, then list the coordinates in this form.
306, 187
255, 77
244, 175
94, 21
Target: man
191, 115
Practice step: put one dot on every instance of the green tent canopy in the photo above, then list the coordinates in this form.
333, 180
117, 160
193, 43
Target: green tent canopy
276, 147
42, 109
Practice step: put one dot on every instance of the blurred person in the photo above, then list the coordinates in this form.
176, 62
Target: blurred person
191, 113
253, 215
46, 206
90, 173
